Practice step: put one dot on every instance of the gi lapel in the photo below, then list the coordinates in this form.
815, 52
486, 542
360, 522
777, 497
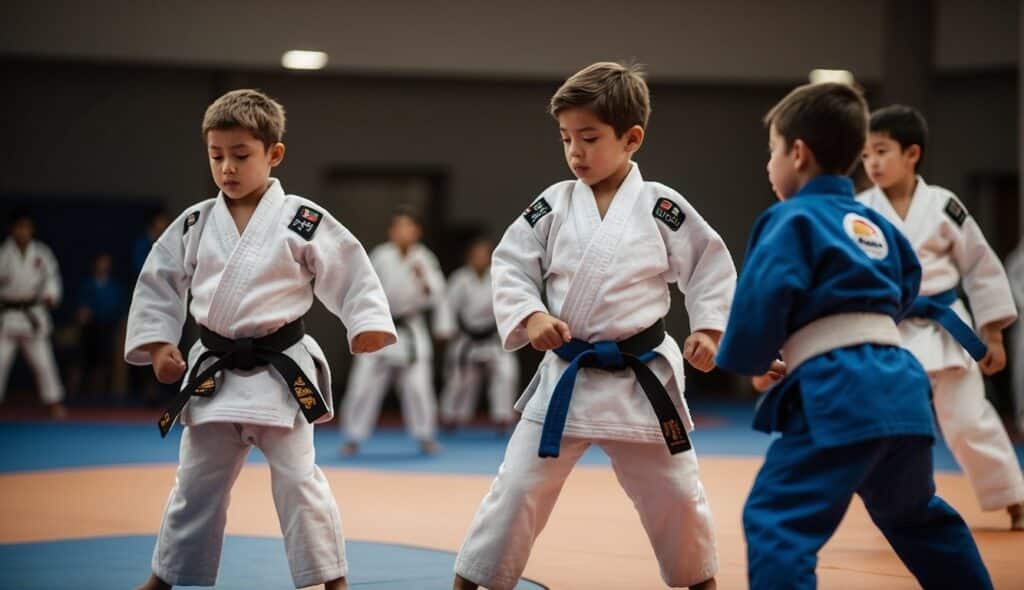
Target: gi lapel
244, 256
602, 243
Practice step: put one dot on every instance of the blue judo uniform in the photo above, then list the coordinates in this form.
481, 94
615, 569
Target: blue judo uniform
854, 419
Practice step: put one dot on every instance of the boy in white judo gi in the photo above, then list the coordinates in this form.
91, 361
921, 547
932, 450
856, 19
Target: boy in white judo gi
253, 258
825, 281
939, 329
584, 274
414, 284
477, 349
30, 286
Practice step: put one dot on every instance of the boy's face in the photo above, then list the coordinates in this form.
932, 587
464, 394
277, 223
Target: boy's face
479, 256
591, 148
22, 230
886, 163
782, 166
239, 162
404, 231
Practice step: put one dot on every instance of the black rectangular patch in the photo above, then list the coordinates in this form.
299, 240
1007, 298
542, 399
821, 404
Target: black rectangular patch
305, 222
191, 220
669, 213
956, 211
534, 212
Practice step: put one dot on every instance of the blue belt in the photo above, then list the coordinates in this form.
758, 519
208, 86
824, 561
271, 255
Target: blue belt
937, 307
633, 353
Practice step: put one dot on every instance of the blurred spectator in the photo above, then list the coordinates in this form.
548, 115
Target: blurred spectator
30, 286
156, 223
1015, 272
99, 314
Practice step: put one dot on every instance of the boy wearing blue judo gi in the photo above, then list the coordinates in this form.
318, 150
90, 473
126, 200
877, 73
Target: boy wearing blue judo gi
825, 282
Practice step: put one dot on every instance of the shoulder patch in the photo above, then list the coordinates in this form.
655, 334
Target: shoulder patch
536, 211
191, 220
666, 211
866, 235
956, 211
305, 222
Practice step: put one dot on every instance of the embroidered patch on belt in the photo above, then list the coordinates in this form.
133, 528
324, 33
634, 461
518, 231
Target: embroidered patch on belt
534, 212
303, 393
956, 211
669, 213
206, 388
191, 220
305, 221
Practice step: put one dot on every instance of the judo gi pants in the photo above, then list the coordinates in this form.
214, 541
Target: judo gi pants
368, 384
188, 546
665, 490
975, 434
802, 492
39, 354
459, 400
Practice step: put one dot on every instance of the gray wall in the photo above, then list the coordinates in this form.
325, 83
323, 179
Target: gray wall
123, 131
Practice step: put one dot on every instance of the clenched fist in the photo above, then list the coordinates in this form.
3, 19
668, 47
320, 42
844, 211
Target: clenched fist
371, 341
168, 365
546, 332
700, 347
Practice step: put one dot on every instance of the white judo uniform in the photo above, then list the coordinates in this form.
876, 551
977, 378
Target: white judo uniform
1015, 273
953, 251
608, 279
26, 280
470, 301
414, 284
248, 286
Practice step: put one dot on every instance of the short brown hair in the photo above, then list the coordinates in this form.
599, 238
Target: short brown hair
249, 109
831, 118
615, 92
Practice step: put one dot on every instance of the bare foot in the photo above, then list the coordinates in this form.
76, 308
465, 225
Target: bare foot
708, 584
461, 583
58, 412
429, 447
349, 449
1016, 512
154, 583
339, 584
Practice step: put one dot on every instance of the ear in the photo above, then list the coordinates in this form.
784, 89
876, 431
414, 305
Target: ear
276, 154
634, 138
913, 154
801, 154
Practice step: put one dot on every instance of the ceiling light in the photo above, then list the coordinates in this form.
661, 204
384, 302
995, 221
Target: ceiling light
298, 59
838, 76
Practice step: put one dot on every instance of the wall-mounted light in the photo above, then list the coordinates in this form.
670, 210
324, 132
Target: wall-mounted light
299, 59
839, 76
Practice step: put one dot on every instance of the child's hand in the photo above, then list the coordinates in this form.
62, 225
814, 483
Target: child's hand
700, 347
168, 366
370, 341
775, 374
995, 360
546, 332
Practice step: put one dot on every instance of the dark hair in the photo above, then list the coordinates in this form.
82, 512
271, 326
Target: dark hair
20, 215
832, 119
616, 93
905, 125
407, 211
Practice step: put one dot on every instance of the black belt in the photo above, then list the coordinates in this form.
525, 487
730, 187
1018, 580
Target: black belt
474, 337
632, 353
402, 327
244, 354
25, 307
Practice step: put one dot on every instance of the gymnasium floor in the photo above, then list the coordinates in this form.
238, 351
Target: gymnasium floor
80, 503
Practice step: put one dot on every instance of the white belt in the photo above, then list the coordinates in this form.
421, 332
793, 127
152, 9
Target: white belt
838, 331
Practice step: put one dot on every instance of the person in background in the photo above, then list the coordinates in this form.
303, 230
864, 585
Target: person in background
30, 286
99, 314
